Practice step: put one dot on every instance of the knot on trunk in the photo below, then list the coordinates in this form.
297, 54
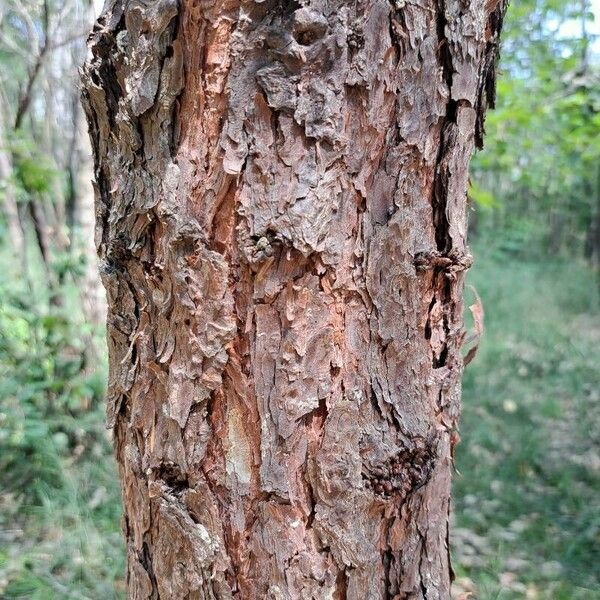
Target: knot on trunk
450, 263
402, 473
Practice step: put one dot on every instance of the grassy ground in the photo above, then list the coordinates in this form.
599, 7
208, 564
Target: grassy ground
60, 539
527, 500
67, 547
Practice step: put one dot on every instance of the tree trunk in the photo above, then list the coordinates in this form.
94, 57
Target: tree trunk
10, 206
93, 298
281, 195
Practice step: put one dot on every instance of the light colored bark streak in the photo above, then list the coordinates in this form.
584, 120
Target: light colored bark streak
281, 194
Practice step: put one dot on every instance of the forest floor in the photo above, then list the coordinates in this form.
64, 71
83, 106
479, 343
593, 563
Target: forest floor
527, 495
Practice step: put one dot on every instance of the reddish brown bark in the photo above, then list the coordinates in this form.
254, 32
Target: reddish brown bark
281, 223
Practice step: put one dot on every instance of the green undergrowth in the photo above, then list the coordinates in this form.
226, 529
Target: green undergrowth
59, 498
527, 496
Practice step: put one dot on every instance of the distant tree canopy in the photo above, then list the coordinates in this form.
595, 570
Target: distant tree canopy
539, 175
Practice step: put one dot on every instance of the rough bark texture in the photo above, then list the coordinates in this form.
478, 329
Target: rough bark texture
281, 197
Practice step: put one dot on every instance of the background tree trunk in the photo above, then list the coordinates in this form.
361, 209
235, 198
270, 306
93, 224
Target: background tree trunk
93, 298
281, 194
9, 200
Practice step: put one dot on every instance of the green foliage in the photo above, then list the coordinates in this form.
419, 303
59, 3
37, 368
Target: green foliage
59, 501
69, 263
42, 366
481, 197
34, 172
542, 155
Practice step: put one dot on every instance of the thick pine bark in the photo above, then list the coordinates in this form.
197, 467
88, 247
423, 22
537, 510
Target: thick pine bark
281, 198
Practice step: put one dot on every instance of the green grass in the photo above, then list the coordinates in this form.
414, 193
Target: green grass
61, 539
527, 501
69, 545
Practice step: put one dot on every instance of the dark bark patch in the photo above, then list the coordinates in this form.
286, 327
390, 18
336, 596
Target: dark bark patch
173, 477
402, 473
